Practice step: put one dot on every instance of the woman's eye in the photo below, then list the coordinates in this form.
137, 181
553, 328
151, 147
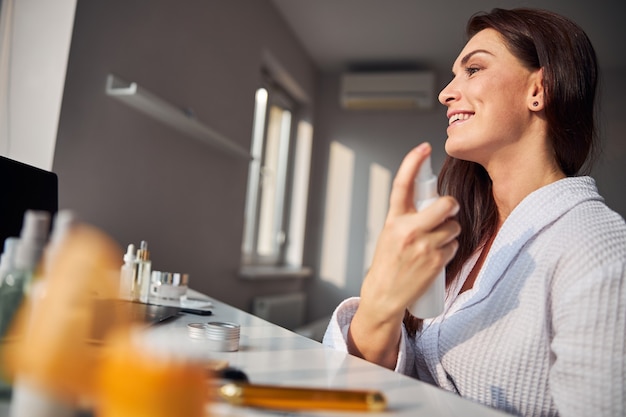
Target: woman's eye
471, 70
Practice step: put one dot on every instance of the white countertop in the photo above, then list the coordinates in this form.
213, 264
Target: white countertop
269, 354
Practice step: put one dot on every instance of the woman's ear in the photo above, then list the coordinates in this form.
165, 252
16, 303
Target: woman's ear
536, 96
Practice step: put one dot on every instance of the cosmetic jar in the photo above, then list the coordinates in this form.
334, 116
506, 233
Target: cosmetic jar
168, 285
219, 336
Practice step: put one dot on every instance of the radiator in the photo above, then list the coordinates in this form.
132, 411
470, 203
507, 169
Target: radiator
285, 310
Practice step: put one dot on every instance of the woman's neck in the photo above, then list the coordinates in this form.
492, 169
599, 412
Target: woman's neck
514, 179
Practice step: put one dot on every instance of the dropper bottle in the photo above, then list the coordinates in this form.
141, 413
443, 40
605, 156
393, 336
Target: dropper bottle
431, 303
127, 272
142, 273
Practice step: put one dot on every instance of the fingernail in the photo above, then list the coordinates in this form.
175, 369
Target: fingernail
423, 147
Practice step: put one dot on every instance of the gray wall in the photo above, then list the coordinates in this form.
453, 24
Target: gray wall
139, 180
610, 169
384, 137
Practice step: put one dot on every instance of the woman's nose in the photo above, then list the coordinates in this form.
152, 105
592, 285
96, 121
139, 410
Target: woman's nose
448, 94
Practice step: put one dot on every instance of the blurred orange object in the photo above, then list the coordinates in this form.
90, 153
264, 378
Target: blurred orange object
72, 342
134, 381
50, 335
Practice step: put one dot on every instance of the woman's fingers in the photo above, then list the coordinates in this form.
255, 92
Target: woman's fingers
413, 246
401, 200
436, 214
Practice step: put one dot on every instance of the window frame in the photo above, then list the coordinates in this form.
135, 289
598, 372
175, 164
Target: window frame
276, 96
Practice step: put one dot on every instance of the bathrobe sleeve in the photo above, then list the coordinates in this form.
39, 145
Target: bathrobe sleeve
336, 336
589, 343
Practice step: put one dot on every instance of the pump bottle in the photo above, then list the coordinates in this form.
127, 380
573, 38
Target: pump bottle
431, 303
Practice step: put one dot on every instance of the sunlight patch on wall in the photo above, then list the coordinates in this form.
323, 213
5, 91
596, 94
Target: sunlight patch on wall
377, 205
300, 190
337, 215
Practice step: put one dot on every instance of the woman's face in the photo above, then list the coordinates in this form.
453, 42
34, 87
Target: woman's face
489, 100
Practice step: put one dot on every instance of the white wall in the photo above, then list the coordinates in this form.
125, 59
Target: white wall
35, 41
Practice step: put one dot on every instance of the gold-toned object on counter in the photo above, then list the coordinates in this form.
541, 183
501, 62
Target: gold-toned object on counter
297, 398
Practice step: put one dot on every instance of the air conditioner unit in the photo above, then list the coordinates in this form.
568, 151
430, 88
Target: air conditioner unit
388, 90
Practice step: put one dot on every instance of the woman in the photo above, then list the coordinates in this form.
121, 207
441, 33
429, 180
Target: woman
535, 318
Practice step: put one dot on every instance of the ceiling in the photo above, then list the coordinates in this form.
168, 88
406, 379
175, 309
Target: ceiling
427, 34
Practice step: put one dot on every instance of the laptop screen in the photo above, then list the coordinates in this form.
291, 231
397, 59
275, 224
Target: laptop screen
24, 187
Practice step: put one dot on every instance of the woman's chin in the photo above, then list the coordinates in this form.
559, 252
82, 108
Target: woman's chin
460, 150
455, 148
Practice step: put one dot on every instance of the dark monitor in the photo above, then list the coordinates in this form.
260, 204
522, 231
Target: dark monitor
24, 187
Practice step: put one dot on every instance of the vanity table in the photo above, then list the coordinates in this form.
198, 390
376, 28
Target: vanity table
272, 355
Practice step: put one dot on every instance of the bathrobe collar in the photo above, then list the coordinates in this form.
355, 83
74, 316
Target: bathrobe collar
535, 212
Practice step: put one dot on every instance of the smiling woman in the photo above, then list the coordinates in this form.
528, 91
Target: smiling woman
536, 261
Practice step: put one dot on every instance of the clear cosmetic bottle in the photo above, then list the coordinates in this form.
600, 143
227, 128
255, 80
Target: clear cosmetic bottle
141, 281
127, 273
431, 303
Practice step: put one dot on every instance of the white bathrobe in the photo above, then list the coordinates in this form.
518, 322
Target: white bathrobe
543, 330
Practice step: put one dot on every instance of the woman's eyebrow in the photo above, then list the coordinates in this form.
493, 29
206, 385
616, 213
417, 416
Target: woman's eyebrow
471, 54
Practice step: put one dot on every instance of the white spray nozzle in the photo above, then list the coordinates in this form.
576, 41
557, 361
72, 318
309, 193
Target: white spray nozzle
426, 170
425, 184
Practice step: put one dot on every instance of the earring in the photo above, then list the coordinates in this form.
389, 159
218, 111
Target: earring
535, 103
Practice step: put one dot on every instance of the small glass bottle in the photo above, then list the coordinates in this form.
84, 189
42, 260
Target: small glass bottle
17, 281
17, 275
7, 259
141, 278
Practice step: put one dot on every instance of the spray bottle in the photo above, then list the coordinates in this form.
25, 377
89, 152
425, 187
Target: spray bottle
431, 303
62, 224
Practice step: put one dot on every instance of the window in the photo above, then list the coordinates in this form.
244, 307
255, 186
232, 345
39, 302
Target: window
277, 182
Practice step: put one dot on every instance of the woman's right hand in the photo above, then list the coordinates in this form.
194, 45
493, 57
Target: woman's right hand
411, 249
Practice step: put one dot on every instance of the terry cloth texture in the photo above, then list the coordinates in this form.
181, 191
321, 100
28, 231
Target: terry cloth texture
543, 330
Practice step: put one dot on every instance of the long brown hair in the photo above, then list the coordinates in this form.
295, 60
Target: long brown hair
539, 39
